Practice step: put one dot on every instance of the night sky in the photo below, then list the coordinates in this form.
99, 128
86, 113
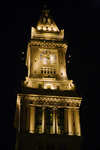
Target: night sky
81, 22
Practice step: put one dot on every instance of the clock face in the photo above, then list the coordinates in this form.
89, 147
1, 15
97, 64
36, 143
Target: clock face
48, 57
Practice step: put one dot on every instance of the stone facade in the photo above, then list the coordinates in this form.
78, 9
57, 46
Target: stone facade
47, 110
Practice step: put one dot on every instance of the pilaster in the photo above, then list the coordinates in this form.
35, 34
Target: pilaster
32, 119
66, 120
70, 122
55, 120
77, 123
43, 119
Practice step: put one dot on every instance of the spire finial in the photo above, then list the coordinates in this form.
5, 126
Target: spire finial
45, 9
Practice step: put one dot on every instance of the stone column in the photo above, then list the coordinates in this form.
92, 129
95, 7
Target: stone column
19, 118
32, 119
77, 123
65, 121
28, 119
43, 119
70, 122
64, 56
54, 120
29, 66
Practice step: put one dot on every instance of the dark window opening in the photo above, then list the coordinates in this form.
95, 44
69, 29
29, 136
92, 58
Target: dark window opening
31, 102
60, 117
58, 87
49, 122
38, 121
40, 86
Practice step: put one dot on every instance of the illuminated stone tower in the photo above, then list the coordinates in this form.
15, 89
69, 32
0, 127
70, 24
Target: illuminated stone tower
47, 110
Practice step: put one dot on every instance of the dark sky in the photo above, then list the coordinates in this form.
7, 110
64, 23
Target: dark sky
81, 22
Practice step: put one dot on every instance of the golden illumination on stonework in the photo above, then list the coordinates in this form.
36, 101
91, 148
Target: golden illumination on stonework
48, 103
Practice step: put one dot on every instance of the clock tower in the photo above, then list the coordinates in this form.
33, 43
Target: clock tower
47, 110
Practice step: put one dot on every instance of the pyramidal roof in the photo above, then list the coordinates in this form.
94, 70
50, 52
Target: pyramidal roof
46, 22
46, 28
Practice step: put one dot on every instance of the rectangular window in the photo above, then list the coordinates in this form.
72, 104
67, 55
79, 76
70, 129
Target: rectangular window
49, 120
40, 130
38, 120
36, 130
59, 131
54, 72
48, 70
47, 131
51, 131
60, 118
41, 70
58, 87
40, 86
